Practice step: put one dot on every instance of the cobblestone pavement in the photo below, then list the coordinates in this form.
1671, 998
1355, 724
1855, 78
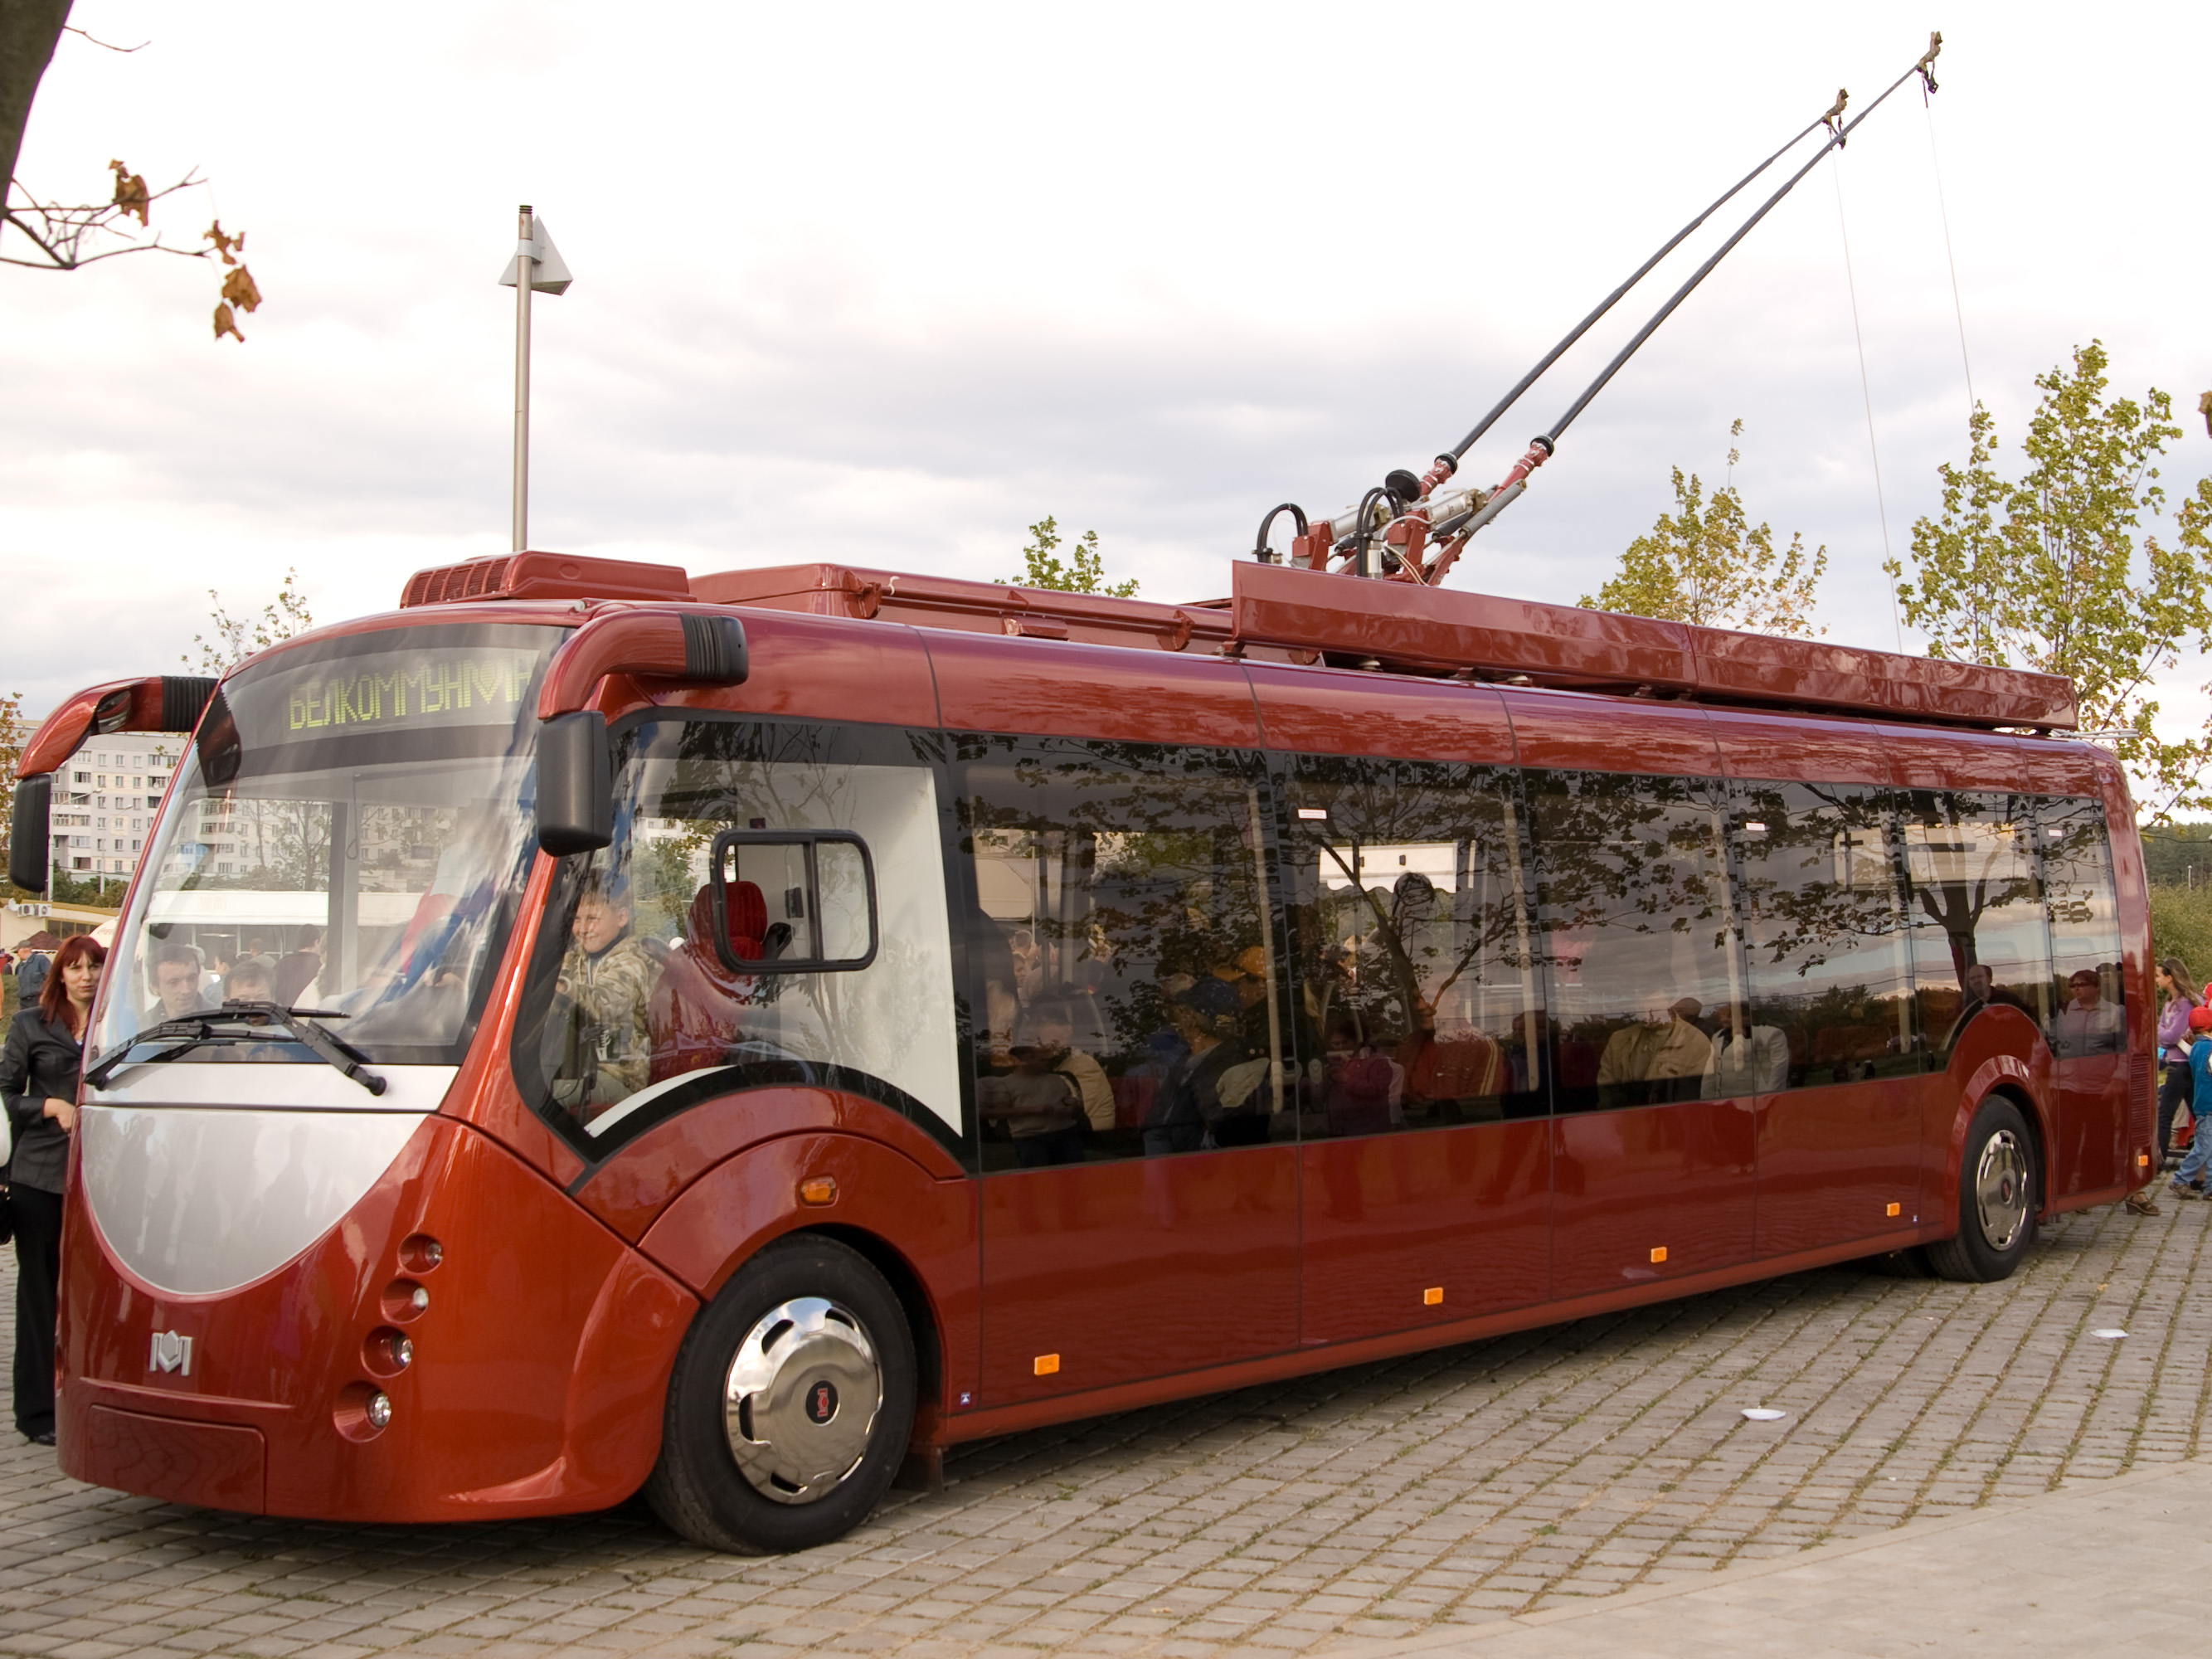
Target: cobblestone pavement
1392, 1499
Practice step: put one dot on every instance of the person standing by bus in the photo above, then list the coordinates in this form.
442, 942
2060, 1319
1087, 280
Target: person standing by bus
2176, 1091
2193, 1167
31, 977
38, 1081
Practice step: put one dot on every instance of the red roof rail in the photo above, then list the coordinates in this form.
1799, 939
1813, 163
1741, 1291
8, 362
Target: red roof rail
544, 576
1284, 613
1401, 625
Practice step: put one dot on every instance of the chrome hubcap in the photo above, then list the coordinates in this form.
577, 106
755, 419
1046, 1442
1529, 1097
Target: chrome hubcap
802, 1395
2001, 1189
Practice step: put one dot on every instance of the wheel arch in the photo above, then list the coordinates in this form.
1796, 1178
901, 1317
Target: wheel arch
2011, 1080
915, 1229
906, 1283
2038, 1134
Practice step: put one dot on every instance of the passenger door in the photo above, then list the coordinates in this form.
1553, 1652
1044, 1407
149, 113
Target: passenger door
1139, 1187
2088, 1031
1652, 1164
1425, 1150
1832, 1050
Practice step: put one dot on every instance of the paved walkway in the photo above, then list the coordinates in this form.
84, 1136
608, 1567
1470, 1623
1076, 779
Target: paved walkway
2106, 1567
1445, 1498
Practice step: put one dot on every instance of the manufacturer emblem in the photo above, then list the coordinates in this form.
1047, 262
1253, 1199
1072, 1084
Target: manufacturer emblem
821, 1402
171, 1353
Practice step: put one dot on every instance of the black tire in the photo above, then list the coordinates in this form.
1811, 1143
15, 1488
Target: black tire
2000, 1188
749, 1347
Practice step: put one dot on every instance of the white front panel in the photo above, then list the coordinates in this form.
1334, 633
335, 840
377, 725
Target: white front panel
200, 1199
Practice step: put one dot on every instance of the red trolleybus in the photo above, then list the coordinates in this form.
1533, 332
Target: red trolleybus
741, 1036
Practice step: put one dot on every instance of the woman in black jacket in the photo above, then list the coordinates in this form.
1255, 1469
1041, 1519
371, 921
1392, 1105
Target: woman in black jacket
38, 1080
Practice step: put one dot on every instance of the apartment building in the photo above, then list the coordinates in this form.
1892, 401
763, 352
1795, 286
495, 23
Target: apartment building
104, 800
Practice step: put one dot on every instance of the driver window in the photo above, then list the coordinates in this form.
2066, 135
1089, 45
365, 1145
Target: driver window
634, 1013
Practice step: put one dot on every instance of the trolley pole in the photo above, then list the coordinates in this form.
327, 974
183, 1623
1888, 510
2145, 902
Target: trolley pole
536, 268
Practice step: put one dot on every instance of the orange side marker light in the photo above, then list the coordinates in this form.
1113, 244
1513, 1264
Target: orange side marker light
1658, 1253
817, 1190
1895, 1209
2142, 1160
1432, 1297
1045, 1364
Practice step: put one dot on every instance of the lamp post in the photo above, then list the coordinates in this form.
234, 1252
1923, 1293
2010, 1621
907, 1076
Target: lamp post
536, 267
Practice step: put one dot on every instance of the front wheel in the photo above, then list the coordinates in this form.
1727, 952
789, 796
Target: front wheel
1997, 1188
790, 1405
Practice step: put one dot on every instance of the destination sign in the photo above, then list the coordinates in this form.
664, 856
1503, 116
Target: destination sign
432, 687
488, 680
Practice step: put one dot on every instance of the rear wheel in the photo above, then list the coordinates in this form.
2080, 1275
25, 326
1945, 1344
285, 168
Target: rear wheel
1997, 1188
790, 1406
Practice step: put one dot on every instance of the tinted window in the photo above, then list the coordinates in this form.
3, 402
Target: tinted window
631, 1014
1831, 977
2085, 930
1124, 976
1417, 985
1976, 909
1639, 934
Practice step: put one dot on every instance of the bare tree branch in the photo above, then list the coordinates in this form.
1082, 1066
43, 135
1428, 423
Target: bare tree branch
59, 233
103, 45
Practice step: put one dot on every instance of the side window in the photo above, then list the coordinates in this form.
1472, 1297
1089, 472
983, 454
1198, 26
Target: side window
816, 855
1125, 977
2085, 930
1976, 909
1418, 1003
1639, 937
1824, 920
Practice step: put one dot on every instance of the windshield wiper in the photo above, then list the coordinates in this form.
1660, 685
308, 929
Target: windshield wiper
191, 1030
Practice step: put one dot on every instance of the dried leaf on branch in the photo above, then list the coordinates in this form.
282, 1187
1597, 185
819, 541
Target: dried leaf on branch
68, 236
130, 195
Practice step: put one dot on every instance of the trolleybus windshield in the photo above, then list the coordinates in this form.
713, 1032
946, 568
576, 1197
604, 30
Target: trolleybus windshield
350, 833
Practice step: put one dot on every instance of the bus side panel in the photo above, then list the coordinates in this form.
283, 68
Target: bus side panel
523, 1396
1409, 1230
746, 1202
629, 1191
1057, 690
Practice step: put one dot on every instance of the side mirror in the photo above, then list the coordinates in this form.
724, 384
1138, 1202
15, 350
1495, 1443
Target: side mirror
793, 901
575, 784
27, 850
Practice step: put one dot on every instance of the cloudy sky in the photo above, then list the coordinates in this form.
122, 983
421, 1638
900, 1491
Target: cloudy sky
884, 283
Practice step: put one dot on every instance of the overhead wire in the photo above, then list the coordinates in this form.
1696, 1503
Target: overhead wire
1866, 392
1944, 212
1838, 133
